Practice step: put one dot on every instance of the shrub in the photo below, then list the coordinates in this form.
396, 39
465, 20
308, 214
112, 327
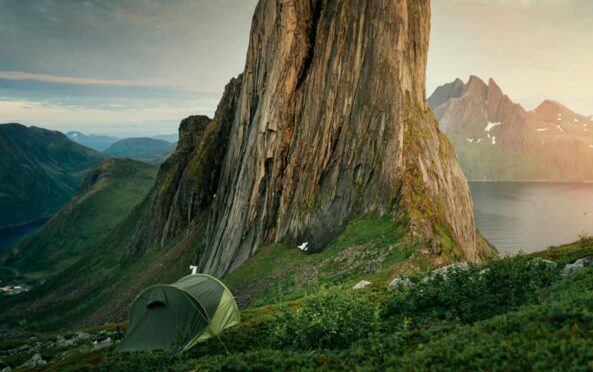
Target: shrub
472, 294
332, 320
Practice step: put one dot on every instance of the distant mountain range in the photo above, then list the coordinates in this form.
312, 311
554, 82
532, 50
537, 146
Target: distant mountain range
499, 140
149, 150
103, 142
96, 142
107, 195
41, 170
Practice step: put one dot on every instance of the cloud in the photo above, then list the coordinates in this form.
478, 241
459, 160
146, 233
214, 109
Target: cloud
19, 76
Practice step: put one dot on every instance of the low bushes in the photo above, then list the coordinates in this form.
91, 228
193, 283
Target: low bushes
472, 294
332, 320
509, 314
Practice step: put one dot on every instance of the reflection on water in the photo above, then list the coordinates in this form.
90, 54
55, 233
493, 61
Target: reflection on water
530, 217
10, 236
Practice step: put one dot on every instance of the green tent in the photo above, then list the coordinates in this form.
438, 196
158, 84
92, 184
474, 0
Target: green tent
180, 315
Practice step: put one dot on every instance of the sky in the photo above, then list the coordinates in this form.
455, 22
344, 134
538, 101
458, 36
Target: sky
137, 67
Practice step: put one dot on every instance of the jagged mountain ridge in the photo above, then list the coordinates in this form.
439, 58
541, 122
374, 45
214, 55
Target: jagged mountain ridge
498, 139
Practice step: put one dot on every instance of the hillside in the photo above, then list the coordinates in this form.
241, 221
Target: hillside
41, 170
95, 142
522, 313
307, 159
499, 140
107, 196
149, 150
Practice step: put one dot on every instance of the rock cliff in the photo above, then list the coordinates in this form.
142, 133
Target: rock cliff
332, 123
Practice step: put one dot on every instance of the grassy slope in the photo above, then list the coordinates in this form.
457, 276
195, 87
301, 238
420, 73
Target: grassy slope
109, 194
374, 250
516, 315
41, 170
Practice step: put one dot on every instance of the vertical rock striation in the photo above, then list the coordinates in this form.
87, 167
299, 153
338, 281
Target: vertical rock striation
187, 181
332, 123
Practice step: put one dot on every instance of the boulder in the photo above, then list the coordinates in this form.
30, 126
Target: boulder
399, 282
83, 335
577, 265
445, 271
362, 284
35, 361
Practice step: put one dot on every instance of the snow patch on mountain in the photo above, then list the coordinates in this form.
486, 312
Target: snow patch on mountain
491, 125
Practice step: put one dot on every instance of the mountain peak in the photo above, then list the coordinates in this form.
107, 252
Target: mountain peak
493, 86
476, 87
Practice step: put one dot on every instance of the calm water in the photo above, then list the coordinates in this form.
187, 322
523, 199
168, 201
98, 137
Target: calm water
12, 235
532, 216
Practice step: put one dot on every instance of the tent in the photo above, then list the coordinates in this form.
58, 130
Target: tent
179, 315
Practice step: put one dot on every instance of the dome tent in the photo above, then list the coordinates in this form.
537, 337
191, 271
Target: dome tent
179, 315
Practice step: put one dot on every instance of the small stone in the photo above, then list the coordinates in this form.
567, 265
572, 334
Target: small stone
98, 345
362, 284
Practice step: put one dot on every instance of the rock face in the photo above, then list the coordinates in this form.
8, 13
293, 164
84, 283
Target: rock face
332, 122
499, 140
187, 180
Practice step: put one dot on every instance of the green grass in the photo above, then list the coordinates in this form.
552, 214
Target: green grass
367, 249
509, 314
41, 170
569, 252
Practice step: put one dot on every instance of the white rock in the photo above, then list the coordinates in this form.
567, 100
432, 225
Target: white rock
577, 265
461, 266
98, 345
399, 282
541, 261
83, 335
362, 284
35, 361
